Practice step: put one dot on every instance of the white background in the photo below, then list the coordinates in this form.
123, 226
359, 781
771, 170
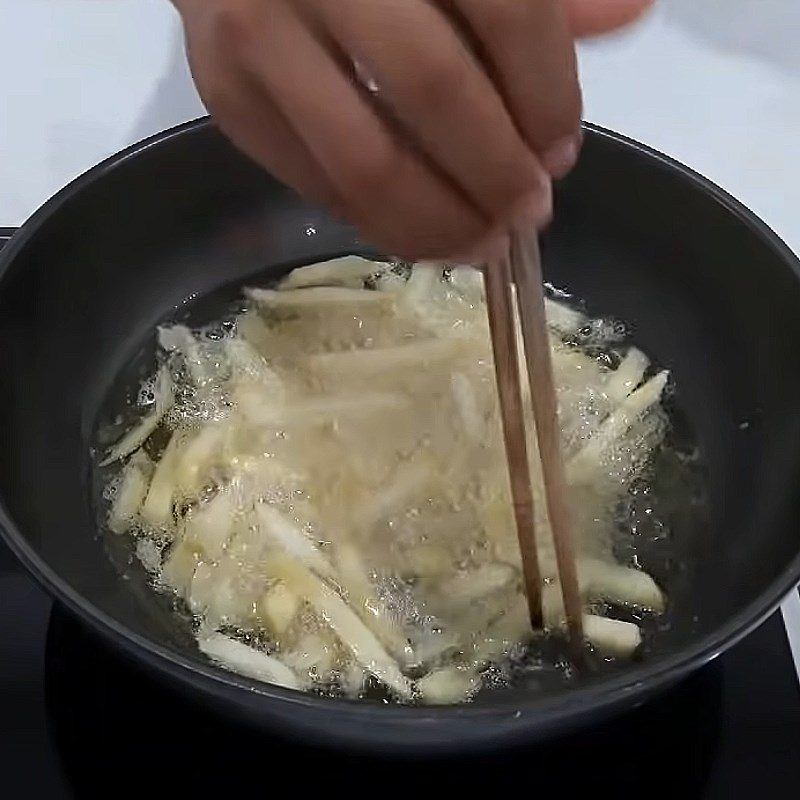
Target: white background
715, 83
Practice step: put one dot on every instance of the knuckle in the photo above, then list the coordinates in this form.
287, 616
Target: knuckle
444, 237
553, 118
372, 173
570, 105
232, 24
214, 91
510, 171
418, 234
437, 81
564, 118
501, 17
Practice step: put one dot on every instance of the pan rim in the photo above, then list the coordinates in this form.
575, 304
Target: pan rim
516, 716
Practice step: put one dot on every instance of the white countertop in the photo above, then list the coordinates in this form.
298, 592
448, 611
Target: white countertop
714, 83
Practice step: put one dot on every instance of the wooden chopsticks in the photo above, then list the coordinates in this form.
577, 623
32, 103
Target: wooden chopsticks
500, 304
523, 267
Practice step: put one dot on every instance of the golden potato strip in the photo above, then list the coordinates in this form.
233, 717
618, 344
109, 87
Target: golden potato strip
352, 632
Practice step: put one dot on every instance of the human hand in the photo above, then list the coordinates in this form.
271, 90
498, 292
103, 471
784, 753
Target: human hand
478, 107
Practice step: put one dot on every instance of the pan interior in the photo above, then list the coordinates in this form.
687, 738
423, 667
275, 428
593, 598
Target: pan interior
706, 293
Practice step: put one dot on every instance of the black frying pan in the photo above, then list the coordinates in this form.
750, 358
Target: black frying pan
706, 287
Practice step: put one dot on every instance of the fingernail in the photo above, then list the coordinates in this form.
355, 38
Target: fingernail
534, 211
491, 249
561, 157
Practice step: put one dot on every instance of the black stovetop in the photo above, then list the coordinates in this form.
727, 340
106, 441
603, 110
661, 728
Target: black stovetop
76, 720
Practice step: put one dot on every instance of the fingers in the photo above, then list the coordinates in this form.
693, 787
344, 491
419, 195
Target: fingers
442, 98
457, 170
391, 194
529, 50
594, 17
256, 127
249, 118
